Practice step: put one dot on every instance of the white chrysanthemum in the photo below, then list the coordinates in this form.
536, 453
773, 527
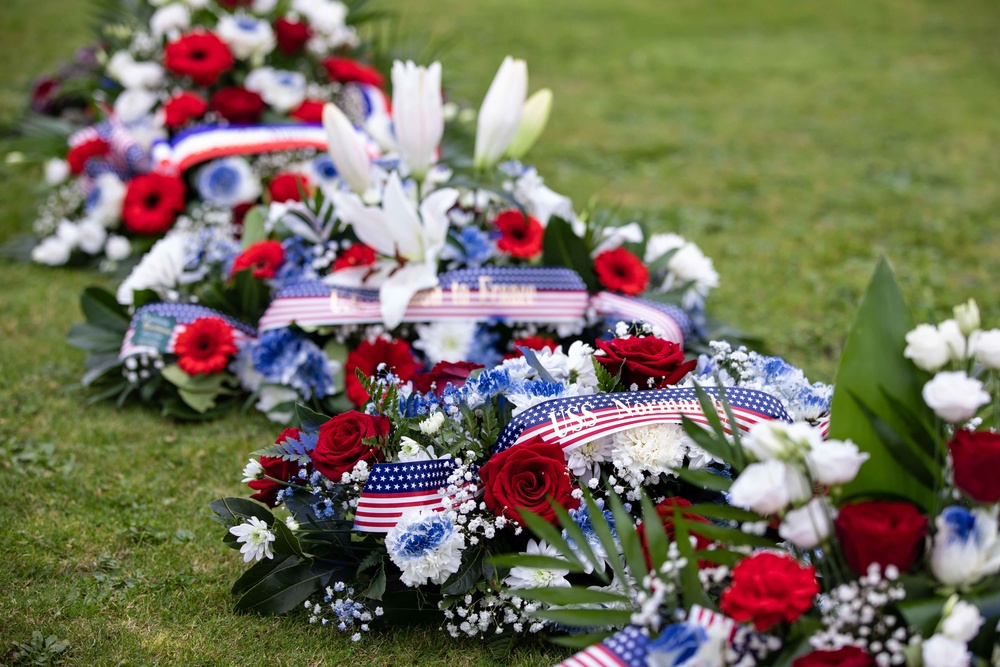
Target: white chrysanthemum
252, 471
159, 270
432, 424
91, 236
256, 539
425, 546
280, 89
117, 248
445, 341
654, 449
583, 460
246, 36
581, 364
169, 21
536, 577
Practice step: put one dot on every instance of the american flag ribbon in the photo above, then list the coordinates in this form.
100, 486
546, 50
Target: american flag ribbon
674, 322
574, 421
395, 488
126, 158
518, 294
155, 327
712, 620
627, 648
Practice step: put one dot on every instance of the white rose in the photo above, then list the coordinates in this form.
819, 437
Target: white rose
941, 651
985, 346
660, 244
963, 623
967, 316
778, 440
954, 396
691, 265
52, 251
91, 236
117, 248
169, 20
134, 104
246, 36
432, 424
834, 462
807, 526
955, 339
926, 348
324, 16
769, 487
56, 171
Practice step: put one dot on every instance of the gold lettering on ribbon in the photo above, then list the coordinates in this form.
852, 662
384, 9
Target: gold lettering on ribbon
428, 297
507, 295
461, 295
340, 305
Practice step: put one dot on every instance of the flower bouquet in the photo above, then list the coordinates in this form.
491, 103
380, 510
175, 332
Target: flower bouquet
404, 260
202, 108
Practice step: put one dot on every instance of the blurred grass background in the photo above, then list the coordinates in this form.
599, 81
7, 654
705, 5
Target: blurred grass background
794, 140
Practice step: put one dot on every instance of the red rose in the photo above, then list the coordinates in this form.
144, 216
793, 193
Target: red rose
310, 111
183, 108
769, 588
524, 478
444, 373
340, 448
357, 255
521, 236
665, 510
152, 203
264, 257
346, 70
288, 187
278, 468
200, 55
238, 105
291, 35
848, 656
975, 456
79, 155
395, 354
204, 347
880, 531
649, 362
621, 271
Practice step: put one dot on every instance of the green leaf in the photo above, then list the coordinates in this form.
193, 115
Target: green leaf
562, 596
93, 338
656, 536
285, 541
253, 226
232, 511
529, 560
717, 446
547, 532
905, 453
102, 310
704, 479
561, 247
729, 536
581, 641
285, 589
575, 533
873, 358
720, 511
631, 547
469, 573
606, 382
376, 589
603, 531
586, 618
259, 570
309, 420
692, 591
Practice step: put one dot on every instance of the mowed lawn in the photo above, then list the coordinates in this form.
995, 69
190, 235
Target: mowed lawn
794, 140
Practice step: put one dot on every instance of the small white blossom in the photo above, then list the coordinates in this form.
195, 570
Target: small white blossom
256, 539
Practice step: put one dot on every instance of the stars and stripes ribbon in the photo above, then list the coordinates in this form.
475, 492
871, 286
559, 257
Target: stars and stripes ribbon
713, 622
155, 327
516, 294
628, 648
574, 421
126, 159
673, 321
395, 488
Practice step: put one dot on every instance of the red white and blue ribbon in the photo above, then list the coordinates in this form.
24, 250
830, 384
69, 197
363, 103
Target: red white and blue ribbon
155, 327
574, 421
395, 488
673, 321
628, 648
125, 158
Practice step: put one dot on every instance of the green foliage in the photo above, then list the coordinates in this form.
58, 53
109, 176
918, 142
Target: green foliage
41, 650
561, 247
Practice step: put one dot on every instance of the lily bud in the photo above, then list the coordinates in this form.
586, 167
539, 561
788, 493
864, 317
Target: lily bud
500, 114
347, 149
418, 114
967, 316
534, 117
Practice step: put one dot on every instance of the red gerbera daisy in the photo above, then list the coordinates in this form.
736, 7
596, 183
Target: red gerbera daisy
522, 236
81, 153
346, 70
183, 108
288, 187
204, 347
200, 55
238, 105
264, 257
357, 255
621, 271
291, 35
395, 354
310, 111
152, 203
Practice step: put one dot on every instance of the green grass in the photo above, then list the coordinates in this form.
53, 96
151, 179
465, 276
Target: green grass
795, 140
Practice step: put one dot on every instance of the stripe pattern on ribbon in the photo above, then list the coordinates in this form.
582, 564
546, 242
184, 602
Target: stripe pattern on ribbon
674, 322
628, 648
155, 327
572, 422
529, 294
713, 621
394, 488
125, 159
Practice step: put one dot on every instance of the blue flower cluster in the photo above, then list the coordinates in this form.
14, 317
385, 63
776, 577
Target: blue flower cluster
470, 246
285, 357
212, 246
298, 264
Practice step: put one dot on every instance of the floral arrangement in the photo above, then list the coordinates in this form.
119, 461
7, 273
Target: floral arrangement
175, 85
400, 259
698, 526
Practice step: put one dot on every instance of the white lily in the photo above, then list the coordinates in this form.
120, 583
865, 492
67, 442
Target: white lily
347, 149
500, 114
534, 118
418, 114
409, 243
